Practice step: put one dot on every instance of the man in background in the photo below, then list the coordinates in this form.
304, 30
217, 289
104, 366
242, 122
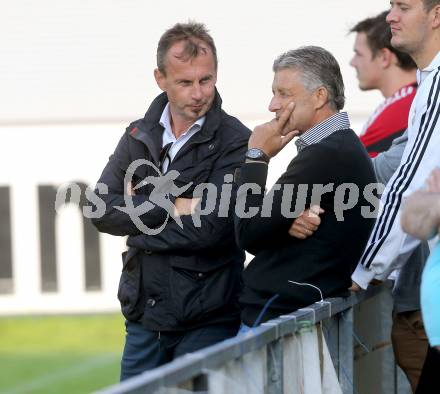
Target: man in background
415, 29
380, 66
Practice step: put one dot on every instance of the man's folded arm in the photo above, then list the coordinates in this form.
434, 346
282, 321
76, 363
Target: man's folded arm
112, 191
289, 197
211, 229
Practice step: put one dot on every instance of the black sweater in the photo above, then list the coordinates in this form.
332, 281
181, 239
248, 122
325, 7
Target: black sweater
328, 257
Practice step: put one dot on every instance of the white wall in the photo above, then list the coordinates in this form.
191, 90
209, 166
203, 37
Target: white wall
93, 59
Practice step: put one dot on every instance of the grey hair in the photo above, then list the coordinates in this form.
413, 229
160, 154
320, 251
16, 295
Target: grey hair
318, 68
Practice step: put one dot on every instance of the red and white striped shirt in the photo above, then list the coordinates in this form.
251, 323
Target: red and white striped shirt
388, 121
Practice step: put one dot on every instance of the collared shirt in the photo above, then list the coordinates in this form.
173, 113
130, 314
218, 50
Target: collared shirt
168, 136
389, 247
336, 122
422, 74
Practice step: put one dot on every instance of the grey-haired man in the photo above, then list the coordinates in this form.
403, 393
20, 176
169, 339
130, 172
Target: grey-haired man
288, 273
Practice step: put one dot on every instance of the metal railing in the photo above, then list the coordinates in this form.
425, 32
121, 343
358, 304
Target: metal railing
193, 372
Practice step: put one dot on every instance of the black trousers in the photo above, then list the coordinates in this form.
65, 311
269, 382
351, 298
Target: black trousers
429, 378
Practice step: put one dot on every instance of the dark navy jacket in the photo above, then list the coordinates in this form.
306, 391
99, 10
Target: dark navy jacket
178, 278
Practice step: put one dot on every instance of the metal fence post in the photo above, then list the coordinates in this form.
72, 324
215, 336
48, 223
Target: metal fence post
345, 335
374, 358
331, 334
275, 367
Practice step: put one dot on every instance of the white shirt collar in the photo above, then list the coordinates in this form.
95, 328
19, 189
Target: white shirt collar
165, 122
422, 74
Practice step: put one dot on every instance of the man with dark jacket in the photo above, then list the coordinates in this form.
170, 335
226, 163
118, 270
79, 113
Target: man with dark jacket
180, 280
289, 273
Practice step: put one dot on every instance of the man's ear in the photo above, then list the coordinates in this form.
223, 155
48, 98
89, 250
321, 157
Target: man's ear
321, 97
435, 12
387, 58
160, 79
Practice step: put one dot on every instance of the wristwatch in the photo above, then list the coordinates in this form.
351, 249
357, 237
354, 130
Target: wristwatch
257, 155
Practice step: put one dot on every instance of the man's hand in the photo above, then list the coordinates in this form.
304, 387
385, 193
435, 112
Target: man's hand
185, 206
421, 214
273, 136
433, 181
354, 287
307, 223
421, 210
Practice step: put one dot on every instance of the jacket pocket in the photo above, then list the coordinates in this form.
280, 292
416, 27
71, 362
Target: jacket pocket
221, 287
193, 294
130, 285
185, 290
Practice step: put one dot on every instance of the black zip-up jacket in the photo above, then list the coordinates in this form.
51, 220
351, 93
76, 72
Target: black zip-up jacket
184, 277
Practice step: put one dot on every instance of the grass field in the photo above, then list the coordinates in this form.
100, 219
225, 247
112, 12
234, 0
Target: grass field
62, 354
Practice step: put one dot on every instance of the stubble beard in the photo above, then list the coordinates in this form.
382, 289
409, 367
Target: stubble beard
402, 46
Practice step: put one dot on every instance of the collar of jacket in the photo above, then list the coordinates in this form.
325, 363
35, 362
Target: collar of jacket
149, 131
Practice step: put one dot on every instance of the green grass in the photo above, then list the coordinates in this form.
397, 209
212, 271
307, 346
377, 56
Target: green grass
60, 354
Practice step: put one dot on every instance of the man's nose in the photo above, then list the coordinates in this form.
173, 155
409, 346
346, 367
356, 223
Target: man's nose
196, 92
352, 62
274, 105
391, 16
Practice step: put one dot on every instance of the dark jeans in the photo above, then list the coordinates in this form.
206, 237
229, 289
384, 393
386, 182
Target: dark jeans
145, 349
428, 382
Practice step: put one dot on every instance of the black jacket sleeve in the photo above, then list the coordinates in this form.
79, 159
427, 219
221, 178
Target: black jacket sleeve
215, 228
274, 212
115, 221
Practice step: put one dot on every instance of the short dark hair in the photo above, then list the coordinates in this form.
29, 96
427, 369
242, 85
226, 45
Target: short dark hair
190, 32
430, 4
378, 34
318, 67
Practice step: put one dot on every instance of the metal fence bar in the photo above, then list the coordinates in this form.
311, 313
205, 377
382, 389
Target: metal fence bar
331, 334
346, 351
194, 366
275, 367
